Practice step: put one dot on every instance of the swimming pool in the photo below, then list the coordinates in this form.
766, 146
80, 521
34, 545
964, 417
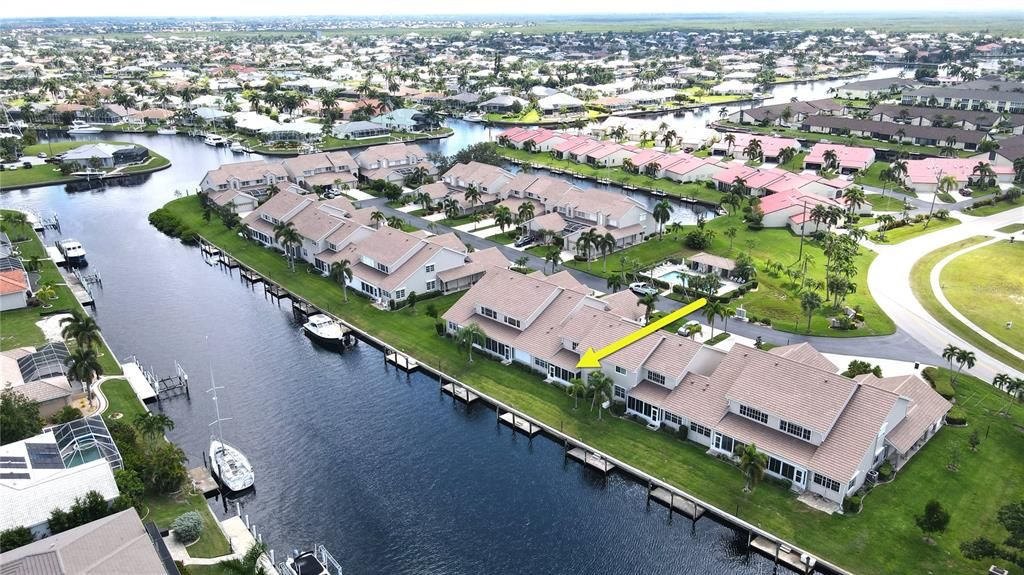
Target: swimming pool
674, 278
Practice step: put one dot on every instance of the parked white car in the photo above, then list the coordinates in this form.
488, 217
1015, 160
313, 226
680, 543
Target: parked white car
642, 288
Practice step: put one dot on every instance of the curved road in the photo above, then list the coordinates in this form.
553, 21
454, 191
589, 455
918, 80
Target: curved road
889, 282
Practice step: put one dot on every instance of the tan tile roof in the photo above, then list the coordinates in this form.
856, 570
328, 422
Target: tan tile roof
926, 407
767, 439
854, 433
649, 392
802, 394
315, 224
713, 260
624, 304
279, 205
552, 221
245, 171
387, 245
672, 355
805, 354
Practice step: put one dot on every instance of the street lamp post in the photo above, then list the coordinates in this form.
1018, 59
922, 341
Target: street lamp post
938, 182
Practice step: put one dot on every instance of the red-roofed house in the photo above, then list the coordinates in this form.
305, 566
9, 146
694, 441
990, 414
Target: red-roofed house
923, 175
14, 288
851, 159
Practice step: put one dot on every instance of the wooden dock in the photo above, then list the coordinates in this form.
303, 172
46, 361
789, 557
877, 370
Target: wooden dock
675, 503
780, 554
80, 291
210, 249
519, 423
400, 360
203, 481
250, 276
137, 380
55, 255
275, 291
591, 459
459, 392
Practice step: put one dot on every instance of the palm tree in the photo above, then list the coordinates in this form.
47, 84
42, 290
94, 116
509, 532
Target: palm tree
289, 238
84, 366
786, 154
628, 165
731, 234
469, 336
651, 169
712, 310
831, 160
451, 208
82, 328
341, 272
809, 302
503, 217
752, 464
754, 151
553, 255
576, 389
606, 244
526, 211
153, 425
662, 212
648, 301
378, 217
472, 195
964, 357
730, 141
249, 564
600, 385
615, 282
855, 198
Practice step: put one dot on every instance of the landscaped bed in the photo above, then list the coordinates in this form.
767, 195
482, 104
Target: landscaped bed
887, 521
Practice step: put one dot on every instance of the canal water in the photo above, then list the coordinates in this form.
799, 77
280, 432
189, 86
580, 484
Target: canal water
376, 465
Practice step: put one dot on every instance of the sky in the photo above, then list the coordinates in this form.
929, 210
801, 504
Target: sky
206, 8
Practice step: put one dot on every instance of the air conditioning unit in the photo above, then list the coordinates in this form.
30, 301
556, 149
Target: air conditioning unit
994, 570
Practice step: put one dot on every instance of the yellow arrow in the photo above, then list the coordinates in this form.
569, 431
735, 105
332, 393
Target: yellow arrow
592, 359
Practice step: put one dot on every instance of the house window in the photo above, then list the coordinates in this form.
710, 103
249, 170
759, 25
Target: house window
430, 268
787, 470
755, 414
672, 418
725, 443
512, 322
795, 430
575, 346
700, 429
560, 373
830, 484
619, 392
540, 363
431, 285
382, 267
488, 312
620, 370
656, 377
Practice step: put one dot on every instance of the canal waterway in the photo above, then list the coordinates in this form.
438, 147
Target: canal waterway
377, 465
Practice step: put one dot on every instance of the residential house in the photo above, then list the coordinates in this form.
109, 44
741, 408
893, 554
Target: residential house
103, 155
243, 183
967, 98
358, 130
790, 113
392, 162
893, 131
39, 375
117, 543
405, 120
14, 284
323, 170
770, 145
948, 118
503, 104
923, 175
50, 470
849, 159
705, 263
864, 89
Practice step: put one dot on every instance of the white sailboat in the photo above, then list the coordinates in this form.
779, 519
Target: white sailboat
230, 466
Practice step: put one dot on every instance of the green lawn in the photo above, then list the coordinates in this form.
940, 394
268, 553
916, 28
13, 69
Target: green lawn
506, 238
121, 399
995, 208
909, 231
872, 176
51, 174
164, 510
921, 285
19, 327
1011, 229
461, 220
796, 164
880, 203
851, 541
997, 271
618, 175
775, 298
528, 117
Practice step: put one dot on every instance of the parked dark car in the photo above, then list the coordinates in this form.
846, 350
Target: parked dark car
523, 241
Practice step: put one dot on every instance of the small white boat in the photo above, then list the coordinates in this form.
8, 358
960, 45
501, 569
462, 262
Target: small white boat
215, 140
167, 130
325, 330
238, 148
473, 117
73, 252
80, 127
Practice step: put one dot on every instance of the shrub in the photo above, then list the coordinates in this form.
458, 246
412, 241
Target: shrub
851, 504
439, 327
956, 416
169, 224
15, 537
68, 414
885, 470
939, 383
778, 481
188, 527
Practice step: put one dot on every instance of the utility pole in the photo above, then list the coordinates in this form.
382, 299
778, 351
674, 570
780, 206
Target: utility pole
803, 222
938, 182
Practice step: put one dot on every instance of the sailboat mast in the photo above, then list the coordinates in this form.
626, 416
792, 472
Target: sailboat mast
216, 406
